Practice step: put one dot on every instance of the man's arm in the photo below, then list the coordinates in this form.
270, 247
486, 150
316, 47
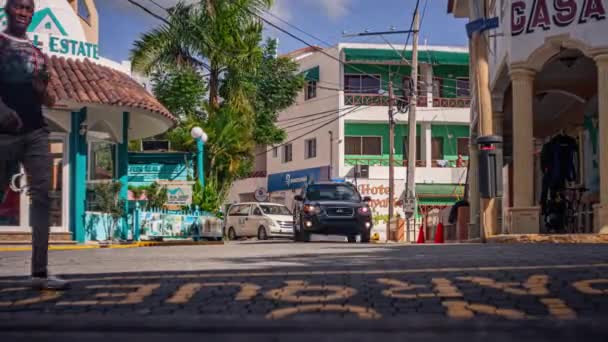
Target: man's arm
8, 117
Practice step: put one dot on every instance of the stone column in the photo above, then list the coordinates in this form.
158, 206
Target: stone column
427, 147
497, 121
601, 210
524, 214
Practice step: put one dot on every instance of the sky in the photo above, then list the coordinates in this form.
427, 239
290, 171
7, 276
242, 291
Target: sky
121, 23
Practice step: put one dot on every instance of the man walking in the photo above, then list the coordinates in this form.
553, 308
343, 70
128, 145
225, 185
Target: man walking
24, 136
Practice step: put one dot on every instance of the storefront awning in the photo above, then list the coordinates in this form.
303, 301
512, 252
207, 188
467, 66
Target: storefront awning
391, 56
87, 83
312, 74
436, 202
439, 190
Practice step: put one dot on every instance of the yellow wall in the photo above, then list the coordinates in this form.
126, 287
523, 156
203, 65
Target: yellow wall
90, 27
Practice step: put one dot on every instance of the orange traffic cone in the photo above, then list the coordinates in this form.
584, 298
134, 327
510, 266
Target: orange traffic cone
439, 233
421, 238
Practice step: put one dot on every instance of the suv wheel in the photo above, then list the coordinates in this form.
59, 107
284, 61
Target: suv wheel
300, 235
365, 237
231, 234
352, 238
262, 235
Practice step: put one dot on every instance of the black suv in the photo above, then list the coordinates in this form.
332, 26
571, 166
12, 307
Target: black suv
332, 209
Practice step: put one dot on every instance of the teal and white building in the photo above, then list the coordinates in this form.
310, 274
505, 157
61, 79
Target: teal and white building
338, 127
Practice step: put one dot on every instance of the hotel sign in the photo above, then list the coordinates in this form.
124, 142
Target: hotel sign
531, 16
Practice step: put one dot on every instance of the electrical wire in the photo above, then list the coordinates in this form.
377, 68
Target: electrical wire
355, 109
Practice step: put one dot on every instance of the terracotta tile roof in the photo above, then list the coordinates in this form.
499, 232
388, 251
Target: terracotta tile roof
89, 83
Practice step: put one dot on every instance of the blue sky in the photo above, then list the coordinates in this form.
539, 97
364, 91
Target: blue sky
121, 23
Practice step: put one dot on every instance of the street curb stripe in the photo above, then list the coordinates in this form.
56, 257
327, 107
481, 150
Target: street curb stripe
131, 245
369, 272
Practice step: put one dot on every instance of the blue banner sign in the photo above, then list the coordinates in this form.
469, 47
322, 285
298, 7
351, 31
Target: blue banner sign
296, 179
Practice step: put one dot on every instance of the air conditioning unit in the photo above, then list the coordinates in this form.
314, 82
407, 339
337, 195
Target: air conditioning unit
362, 171
155, 145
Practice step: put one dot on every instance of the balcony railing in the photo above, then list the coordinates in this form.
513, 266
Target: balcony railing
382, 100
400, 162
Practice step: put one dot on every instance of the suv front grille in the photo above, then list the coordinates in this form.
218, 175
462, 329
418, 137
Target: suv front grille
340, 212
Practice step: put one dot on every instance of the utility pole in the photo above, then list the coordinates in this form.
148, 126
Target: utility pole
479, 62
391, 158
391, 118
410, 202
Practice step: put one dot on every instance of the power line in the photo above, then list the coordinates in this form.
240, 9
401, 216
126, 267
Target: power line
336, 111
307, 116
311, 125
297, 28
312, 131
145, 9
159, 6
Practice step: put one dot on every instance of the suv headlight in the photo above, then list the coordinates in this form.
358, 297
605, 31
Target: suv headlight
312, 209
364, 211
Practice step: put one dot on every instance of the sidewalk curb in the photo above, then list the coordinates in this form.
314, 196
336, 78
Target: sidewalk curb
119, 246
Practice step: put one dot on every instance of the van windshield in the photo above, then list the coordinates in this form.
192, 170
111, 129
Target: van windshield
275, 210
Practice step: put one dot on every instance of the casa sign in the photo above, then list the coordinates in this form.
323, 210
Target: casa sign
56, 30
531, 16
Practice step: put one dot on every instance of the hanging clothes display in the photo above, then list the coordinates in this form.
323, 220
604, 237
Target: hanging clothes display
558, 164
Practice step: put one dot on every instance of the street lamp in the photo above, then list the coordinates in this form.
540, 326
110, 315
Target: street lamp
201, 137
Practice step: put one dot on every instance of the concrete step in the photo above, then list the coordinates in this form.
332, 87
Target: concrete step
13, 237
28, 243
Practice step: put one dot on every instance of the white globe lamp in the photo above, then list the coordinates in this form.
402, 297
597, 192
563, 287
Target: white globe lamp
197, 133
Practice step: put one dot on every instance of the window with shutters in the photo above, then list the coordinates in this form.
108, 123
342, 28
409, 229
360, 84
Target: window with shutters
462, 87
287, 153
437, 148
310, 148
367, 146
310, 92
463, 147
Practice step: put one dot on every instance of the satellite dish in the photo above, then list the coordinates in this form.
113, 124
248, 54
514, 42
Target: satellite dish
261, 194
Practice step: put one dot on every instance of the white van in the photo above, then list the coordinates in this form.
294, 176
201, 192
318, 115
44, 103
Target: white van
264, 220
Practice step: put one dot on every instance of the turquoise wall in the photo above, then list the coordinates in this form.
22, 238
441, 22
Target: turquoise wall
448, 73
450, 146
146, 168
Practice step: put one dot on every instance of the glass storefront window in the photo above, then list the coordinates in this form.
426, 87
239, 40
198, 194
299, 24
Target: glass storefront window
10, 201
102, 160
56, 148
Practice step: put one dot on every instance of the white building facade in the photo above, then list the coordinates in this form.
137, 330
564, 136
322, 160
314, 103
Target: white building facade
338, 128
549, 78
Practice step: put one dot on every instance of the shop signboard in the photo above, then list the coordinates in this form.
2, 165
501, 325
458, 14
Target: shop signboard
530, 16
292, 180
178, 193
57, 30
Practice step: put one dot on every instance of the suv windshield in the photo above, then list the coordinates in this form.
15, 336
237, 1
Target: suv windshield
275, 210
332, 192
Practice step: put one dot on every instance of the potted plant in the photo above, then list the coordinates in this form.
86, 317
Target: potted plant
111, 206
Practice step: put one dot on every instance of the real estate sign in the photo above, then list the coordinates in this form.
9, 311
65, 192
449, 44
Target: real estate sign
57, 30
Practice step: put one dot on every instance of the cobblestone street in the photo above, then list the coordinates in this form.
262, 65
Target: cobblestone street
336, 291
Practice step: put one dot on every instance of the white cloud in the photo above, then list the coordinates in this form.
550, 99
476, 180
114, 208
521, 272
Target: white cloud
335, 8
281, 9
330, 8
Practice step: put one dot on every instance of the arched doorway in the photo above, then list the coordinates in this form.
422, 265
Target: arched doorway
551, 140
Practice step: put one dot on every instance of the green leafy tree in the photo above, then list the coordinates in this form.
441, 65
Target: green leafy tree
277, 85
109, 203
210, 35
181, 90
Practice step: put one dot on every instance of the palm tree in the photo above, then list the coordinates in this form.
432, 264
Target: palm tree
212, 35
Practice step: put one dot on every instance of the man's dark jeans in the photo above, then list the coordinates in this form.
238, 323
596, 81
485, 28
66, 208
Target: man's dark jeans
32, 151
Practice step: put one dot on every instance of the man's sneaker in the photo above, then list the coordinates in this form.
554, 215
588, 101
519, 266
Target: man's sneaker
49, 283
